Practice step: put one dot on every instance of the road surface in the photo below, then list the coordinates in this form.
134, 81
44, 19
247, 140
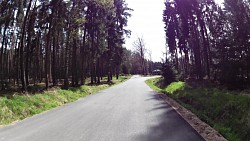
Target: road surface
130, 111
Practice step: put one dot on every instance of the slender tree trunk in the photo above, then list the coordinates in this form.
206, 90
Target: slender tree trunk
206, 46
22, 66
82, 54
47, 58
66, 76
28, 57
37, 60
98, 71
48, 50
54, 61
196, 49
74, 63
2, 58
117, 72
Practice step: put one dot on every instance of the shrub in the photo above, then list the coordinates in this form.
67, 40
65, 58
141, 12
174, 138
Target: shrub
168, 73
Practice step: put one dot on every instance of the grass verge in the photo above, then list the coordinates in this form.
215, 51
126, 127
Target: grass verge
19, 107
226, 111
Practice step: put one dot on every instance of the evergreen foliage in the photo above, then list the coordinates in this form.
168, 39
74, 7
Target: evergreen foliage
207, 41
168, 73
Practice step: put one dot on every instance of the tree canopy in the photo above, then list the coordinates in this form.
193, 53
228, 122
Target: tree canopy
207, 41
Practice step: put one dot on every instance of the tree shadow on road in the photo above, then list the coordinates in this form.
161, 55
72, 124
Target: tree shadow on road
170, 126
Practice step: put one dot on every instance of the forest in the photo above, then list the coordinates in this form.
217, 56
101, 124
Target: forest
69, 49
207, 68
62, 43
207, 41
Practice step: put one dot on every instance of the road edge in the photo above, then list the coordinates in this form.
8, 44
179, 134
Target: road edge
205, 130
59, 106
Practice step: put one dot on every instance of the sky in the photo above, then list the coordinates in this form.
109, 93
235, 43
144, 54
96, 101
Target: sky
146, 22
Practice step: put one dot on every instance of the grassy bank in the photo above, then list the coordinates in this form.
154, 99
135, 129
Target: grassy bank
19, 107
226, 111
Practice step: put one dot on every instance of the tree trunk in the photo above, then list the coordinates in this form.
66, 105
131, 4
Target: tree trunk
82, 54
66, 76
2, 58
74, 64
54, 62
48, 50
22, 66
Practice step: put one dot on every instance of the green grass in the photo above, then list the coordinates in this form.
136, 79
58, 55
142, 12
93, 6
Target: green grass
226, 111
154, 83
19, 107
175, 86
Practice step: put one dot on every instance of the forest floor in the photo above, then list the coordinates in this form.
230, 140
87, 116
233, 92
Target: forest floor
15, 106
225, 111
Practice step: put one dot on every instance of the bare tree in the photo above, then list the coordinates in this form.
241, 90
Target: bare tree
139, 47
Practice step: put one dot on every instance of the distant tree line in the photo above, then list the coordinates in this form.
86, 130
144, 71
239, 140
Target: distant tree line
139, 60
209, 41
61, 41
132, 64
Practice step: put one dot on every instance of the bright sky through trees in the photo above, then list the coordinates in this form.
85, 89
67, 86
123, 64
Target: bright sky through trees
146, 22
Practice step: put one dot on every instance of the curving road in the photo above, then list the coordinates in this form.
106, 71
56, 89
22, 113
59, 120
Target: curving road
130, 111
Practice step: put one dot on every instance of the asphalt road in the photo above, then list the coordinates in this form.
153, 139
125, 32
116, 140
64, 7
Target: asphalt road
130, 111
